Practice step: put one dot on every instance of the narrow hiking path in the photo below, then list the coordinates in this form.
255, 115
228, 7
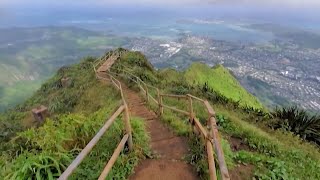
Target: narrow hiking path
168, 148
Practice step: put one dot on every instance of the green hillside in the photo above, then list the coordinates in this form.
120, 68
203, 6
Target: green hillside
252, 149
221, 81
77, 112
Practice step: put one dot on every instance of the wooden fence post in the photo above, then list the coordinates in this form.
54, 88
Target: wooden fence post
147, 93
160, 102
128, 126
192, 116
191, 108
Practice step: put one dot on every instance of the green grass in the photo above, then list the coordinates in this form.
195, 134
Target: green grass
220, 80
87, 103
274, 154
77, 113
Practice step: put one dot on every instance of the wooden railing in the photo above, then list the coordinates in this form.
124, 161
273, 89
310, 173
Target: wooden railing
210, 134
127, 138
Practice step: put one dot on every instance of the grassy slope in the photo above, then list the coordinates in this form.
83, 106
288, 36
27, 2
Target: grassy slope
77, 113
273, 154
221, 81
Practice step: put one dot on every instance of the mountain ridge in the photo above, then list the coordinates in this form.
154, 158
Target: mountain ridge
77, 111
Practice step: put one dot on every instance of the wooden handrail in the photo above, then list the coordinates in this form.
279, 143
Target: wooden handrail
113, 158
209, 108
212, 167
207, 135
175, 109
127, 138
196, 98
174, 96
202, 130
90, 145
211, 136
218, 148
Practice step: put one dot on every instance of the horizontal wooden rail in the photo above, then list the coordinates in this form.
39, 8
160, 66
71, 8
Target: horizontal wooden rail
209, 108
200, 128
90, 145
177, 110
113, 158
153, 99
196, 98
174, 96
211, 136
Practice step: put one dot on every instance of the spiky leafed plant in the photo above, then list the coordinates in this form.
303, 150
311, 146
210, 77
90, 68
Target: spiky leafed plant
298, 121
45, 165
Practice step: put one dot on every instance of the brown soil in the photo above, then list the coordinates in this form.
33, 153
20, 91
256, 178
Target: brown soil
242, 172
169, 148
166, 146
160, 169
237, 144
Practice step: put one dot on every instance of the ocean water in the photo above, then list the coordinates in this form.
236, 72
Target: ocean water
171, 29
134, 24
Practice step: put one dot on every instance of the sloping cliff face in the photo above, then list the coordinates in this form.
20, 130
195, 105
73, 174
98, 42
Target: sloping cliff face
220, 80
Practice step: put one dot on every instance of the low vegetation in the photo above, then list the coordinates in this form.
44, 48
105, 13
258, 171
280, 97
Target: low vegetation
77, 112
220, 80
299, 122
273, 153
272, 145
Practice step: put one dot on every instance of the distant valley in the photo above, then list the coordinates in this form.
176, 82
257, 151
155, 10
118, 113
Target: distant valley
281, 71
30, 55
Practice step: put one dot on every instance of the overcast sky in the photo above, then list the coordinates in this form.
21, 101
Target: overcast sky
286, 3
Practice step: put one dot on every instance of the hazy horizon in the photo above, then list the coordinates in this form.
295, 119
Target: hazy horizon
23, 15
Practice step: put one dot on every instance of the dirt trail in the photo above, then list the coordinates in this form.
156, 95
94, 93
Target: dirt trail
168, 148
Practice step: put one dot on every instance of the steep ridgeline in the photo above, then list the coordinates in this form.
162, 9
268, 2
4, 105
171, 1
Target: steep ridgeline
220, 80
163, 145
169, 148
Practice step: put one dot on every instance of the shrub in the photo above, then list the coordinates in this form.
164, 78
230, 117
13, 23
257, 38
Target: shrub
298, 121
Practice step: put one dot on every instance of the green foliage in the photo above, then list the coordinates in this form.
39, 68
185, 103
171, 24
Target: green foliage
276, 155
93, 165
80, 110
198, 157
77, 113
58, 99
298, 121
221, 81
267, 168
49, 146
44, 165
136, 59
136, 63
222, 121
